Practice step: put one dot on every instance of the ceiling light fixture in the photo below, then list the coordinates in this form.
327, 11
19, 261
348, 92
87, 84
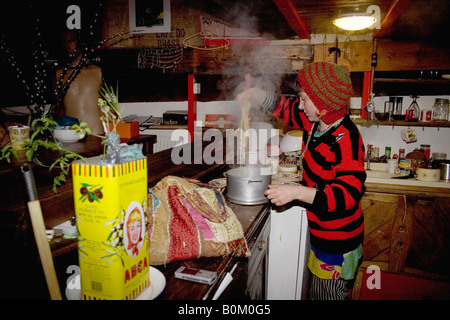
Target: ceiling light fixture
355, 21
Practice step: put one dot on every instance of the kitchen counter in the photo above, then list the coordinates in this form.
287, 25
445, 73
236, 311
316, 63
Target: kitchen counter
252, 219
378, 180
58, 208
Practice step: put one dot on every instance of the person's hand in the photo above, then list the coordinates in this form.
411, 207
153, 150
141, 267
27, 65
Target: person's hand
254, 95
281, 194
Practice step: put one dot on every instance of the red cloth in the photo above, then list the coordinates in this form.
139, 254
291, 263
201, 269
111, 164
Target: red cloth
182, 230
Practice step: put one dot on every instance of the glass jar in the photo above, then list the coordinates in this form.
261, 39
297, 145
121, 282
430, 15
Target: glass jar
413, 111
436, 159
426, 150
375, 153
440, 110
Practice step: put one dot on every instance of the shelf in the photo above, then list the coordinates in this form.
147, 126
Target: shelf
420, 81
365, 122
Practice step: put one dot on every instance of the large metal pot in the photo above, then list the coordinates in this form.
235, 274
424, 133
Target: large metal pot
246, 185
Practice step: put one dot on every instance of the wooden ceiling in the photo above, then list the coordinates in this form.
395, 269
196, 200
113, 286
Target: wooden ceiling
282, 19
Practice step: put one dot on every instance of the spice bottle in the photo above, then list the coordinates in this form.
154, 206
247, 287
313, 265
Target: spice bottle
387, 152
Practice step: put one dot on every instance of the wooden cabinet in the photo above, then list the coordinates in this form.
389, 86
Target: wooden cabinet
388, 230
397, 85
429, 251
407, 238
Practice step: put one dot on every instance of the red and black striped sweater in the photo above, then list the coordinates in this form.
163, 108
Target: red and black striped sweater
334, 164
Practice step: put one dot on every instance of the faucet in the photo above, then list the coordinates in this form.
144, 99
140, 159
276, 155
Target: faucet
369, 155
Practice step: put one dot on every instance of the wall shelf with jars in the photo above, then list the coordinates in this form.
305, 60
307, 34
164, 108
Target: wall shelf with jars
365, 122
413, 116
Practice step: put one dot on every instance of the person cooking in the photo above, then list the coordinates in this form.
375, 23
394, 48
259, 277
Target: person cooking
78, 85
333, 173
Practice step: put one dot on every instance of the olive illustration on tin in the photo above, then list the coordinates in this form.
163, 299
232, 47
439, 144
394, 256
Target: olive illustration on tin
91, 192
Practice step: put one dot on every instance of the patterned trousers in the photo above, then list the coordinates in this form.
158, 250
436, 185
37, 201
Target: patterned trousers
328, 289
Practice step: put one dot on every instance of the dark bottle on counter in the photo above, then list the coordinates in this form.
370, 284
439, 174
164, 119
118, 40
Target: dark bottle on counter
413, 111
401, 154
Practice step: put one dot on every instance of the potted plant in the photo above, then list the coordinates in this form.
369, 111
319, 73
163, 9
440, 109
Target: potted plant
111, 114
42, 137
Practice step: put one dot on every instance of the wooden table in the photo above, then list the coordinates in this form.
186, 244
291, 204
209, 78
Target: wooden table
89, 147
56, 208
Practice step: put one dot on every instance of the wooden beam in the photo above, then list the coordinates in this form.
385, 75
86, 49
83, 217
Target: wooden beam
396, 8
290, 12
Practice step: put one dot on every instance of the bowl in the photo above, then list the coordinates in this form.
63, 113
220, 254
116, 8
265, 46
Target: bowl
68, 135
400, 117
292, 141
382, 115
426, 174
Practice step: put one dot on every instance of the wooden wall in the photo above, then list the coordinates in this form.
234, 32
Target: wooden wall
277, 57
392, 55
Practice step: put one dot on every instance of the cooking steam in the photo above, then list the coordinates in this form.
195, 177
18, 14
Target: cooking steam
252, 66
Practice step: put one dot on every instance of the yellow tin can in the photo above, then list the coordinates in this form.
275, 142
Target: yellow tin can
110, 208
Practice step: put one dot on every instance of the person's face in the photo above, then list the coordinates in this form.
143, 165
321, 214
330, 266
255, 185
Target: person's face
70, 43
135, 231
308, 106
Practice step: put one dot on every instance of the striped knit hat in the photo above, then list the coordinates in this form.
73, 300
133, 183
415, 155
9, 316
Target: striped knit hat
329, 87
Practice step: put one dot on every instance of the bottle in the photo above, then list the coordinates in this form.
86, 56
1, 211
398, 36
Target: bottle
387, 152
413, 111
440, 110
375, 153
401, 154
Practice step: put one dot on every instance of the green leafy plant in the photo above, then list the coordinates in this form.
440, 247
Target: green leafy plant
81, 129
42, 137
109, 106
